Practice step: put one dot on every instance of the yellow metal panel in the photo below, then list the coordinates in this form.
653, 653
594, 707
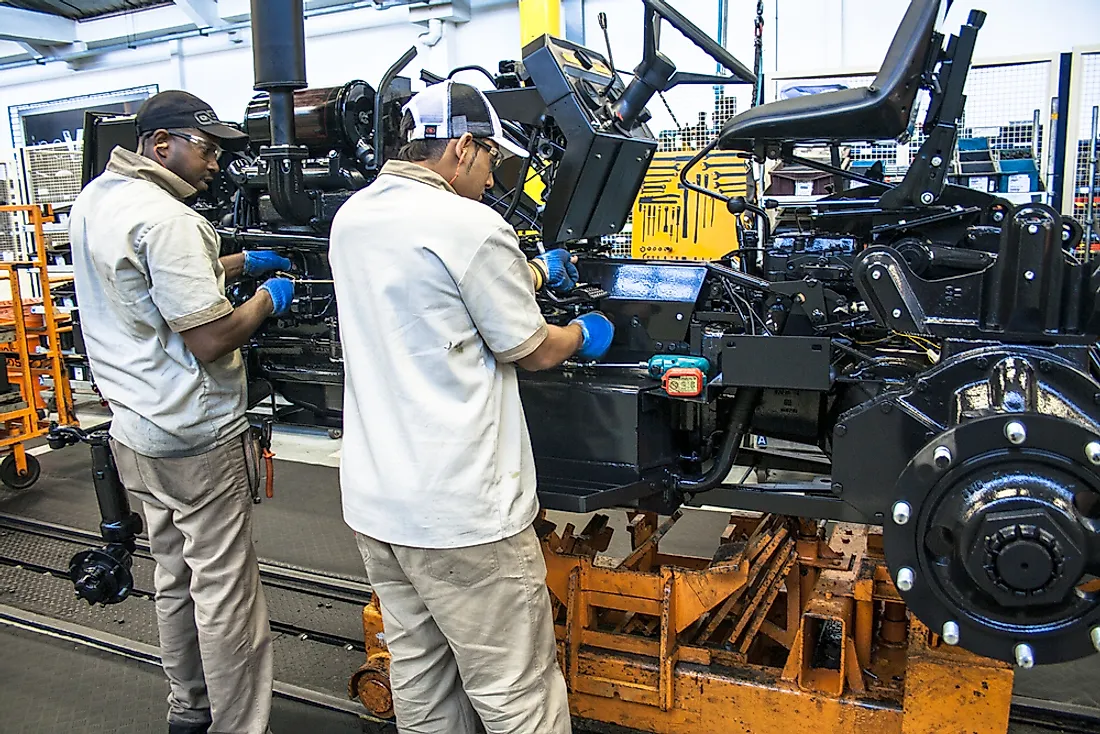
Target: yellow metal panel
748, 703
952, 691
672, 223
537, 18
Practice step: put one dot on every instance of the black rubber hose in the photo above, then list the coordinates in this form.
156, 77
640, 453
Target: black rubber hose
744, 403
473, 67
532, 143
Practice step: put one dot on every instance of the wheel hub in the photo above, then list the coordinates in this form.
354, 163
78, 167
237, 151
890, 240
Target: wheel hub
997, 544
1022, 559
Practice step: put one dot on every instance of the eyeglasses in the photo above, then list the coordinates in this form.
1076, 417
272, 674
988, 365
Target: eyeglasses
210, 151
495, 156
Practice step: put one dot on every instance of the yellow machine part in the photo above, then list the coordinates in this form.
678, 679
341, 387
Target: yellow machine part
538, 17
672, 223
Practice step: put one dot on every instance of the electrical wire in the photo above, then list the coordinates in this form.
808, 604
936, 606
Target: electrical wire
745, 320
756, 316
679, 127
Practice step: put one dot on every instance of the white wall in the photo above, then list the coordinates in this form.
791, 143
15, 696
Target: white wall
810, 35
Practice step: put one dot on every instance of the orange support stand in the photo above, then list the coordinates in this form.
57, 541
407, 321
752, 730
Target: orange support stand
785, 629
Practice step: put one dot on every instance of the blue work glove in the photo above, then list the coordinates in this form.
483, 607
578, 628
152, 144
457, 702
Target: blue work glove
258, 262
281, 291
557, 269
598, 333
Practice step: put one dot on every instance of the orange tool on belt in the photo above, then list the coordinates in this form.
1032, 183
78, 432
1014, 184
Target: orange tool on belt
269, 469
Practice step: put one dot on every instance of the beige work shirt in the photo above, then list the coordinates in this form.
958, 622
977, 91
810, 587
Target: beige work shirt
436, 302
146, 268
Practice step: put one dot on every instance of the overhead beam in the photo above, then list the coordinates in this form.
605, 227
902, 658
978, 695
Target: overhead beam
27, 25
203, 13
43, 51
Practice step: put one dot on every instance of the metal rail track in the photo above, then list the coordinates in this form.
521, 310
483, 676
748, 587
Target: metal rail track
79, 634
303, 582
327, 586
1053, 715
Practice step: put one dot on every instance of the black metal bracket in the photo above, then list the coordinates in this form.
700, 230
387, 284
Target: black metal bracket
379, 99
924, 181
1032, 292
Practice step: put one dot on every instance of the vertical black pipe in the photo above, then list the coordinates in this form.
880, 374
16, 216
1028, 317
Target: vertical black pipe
279, 58
281, 118
1061, 132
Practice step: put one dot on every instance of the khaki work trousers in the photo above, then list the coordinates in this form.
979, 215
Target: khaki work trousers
215, 640
471, 636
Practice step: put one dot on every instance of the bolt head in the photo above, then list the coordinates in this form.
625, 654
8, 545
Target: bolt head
1033, 229
1029, 275
1066, 234
1025, 658
876, 274
901, 512
1092, 452
1095, 636
897, 313
937, 161
942, 457
905, 579
950, 633
1015, 432
927, 197
998, 216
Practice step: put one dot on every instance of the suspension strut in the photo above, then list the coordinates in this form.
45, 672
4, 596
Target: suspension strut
103, 575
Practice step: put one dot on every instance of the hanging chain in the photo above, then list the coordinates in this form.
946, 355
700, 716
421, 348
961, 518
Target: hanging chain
758, 85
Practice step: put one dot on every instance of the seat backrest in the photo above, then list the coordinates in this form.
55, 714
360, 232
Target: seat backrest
878, 112
907, 57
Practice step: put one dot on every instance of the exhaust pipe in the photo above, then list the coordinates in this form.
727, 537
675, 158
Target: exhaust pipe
279, 59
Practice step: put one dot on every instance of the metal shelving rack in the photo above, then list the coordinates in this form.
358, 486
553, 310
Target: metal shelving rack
33, 356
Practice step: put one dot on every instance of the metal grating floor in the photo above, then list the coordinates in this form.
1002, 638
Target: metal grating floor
302, 526
71, 688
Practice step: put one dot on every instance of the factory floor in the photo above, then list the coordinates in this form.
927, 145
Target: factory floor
61, 672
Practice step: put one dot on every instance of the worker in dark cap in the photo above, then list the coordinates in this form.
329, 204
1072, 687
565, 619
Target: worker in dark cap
163, 344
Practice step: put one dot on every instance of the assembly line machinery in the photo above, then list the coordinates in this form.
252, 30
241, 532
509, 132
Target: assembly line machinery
923, 354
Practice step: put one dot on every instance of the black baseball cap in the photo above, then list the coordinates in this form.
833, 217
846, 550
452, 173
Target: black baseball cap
177, 109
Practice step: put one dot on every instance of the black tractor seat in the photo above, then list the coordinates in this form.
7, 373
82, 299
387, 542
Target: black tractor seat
880, 111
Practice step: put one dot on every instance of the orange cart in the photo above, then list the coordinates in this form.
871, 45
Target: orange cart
31, 346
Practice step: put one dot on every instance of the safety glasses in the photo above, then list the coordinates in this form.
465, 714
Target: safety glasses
210, 151
496, 157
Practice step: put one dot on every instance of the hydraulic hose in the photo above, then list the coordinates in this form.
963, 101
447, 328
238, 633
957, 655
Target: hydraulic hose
744, 403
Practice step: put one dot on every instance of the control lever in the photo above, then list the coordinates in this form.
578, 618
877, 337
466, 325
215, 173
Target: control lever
102, 575
602, 17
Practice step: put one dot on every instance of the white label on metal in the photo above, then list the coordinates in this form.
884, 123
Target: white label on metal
803, 188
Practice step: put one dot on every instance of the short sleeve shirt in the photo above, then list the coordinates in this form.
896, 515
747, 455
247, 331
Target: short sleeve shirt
436, 303
146, 268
